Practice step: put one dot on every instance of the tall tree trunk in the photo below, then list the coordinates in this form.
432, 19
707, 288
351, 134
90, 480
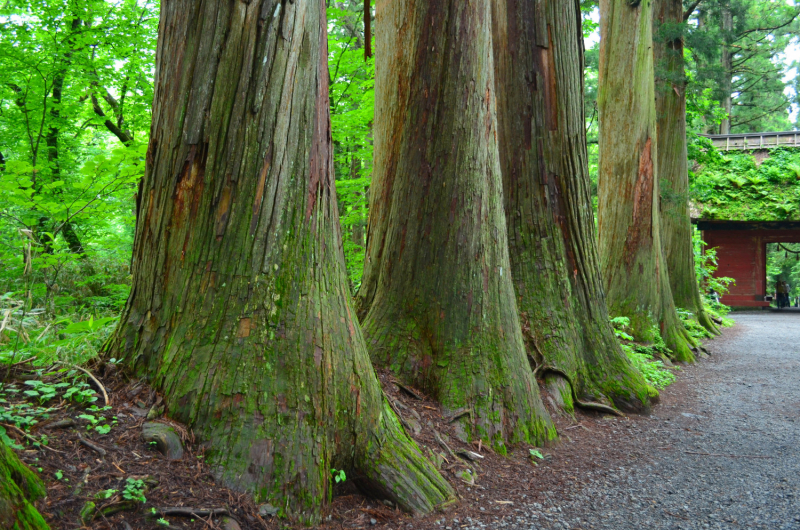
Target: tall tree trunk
727, 67
538, 53
631, 258
67, 230
437, 294
673, 169
19, 488
239, 312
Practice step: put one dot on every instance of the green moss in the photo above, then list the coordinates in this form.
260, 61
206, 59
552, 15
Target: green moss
19, 488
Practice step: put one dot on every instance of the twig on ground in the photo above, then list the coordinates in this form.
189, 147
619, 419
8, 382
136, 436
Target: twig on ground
31, 438
92, 446
29, 359
184, 511
441, 442
93, 378
411, 392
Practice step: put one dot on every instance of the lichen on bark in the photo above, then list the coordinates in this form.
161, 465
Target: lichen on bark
240, 312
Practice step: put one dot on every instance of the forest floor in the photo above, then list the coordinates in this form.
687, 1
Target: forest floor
719, 451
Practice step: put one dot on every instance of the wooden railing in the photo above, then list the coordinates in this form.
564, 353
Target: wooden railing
754, 141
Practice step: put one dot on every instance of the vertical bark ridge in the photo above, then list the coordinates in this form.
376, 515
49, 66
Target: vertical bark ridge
436, 293
632, 262
240, 312
539, 71
673, 167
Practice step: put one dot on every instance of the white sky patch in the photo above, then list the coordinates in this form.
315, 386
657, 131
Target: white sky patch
790, 57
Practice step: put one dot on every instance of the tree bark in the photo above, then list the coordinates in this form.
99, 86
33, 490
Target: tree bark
240, 312
673, 168
538, 53
631, 258
19, 488
436, 297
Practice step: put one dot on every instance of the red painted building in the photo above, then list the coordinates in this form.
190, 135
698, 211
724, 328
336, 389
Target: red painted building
742, 255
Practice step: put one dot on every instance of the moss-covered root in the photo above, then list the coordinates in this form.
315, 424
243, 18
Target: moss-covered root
560, 390
677, 340
705, 320
19, 487
391, 466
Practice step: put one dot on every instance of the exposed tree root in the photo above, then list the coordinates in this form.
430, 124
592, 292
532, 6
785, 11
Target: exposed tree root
589, 405
707, 322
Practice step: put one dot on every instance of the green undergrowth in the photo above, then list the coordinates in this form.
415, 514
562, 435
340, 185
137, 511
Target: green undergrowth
695, 329
643, 356
734, 186
25, 403
73, 337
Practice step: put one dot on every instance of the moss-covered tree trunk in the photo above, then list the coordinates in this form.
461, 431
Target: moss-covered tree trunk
631, 259
437, 297
538, 52
673, 169
19, 488
239, 311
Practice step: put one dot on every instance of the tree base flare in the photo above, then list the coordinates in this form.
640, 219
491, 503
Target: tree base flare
393, 467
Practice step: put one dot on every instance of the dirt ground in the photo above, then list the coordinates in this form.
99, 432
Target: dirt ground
499, 490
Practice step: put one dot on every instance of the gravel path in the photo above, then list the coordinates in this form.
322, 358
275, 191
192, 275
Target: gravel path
724, 455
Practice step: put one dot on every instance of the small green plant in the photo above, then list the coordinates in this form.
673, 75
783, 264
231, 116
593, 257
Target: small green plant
643, 356
134, 490
59, 475
80, 392
695, 329
43, 391
105, 494
162, 521
535, 453
97, 422
338, 475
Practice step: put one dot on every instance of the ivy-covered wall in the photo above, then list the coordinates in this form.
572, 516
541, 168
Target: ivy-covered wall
746, 187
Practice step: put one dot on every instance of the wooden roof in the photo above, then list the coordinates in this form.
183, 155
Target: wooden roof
703, 224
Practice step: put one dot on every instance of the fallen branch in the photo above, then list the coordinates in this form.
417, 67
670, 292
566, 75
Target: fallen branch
92, 446
408, 390
29, 359
31, 438
93, 378
726, 456
60, 424
192, 512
